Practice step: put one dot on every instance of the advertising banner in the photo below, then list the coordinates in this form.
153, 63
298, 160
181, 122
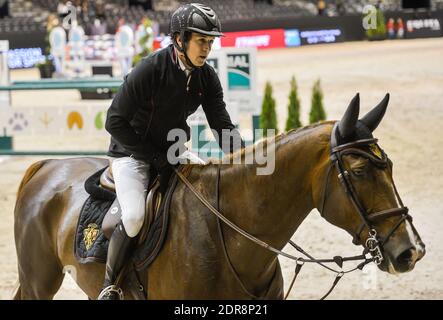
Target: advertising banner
261, 39
423, 28
321, 36
4, 72
236, 69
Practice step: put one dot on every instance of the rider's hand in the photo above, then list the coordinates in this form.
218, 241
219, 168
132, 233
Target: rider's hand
160, 162
164, 170
164, 177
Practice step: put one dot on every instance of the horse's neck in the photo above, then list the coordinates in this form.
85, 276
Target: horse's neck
274, 205
270, 207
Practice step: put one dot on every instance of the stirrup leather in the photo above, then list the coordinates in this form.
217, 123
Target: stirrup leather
110, 289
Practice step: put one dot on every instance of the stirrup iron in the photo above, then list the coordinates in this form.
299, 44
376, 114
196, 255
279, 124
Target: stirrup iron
106, 292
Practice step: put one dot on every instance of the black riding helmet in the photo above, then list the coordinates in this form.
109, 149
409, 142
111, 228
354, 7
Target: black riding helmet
193, 17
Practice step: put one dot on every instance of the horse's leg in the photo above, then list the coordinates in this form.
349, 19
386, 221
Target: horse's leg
39, 270
36, 213
17, 295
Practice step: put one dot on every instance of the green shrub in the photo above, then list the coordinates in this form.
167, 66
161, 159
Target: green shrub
317, 112
379, 33
293, 120
143, 42
268, 116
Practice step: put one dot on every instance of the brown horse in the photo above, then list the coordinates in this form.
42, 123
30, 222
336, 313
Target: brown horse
192, 264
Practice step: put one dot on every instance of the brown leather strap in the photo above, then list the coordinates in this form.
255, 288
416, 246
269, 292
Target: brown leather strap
238, 229
337, 279
353, 144
222, 239
226, 221
387, 213
296, 272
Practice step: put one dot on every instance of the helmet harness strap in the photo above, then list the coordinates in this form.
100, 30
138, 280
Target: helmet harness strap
184, 49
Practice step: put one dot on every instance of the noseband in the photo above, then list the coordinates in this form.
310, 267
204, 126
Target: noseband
374, 243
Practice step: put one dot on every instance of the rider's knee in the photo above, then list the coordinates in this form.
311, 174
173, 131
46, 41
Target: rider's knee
132, 225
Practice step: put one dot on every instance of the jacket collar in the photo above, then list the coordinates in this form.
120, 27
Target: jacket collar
176, 60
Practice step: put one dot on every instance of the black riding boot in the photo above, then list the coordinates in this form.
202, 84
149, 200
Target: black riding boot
119, 248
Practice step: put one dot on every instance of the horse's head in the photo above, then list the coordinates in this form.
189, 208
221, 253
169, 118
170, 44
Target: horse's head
360, 195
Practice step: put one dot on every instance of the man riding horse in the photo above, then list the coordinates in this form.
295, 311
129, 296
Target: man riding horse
156, 97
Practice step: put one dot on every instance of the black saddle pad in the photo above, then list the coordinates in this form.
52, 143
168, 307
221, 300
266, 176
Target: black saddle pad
90, 243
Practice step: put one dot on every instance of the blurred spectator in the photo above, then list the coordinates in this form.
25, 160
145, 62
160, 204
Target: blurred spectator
63, 9
85, 7
321, 6
124, 43
340, 7
155, 28
121, 23
98, 28
81, 10
51, 22
57, 41
391, 28
400, 28
100, 10
78, 5
270, 2
379, 4
146, 4
4, 8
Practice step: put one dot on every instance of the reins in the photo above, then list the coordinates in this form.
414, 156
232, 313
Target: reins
299, 260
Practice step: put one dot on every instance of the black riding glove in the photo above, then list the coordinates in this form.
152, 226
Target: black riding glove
164, 170
160, 162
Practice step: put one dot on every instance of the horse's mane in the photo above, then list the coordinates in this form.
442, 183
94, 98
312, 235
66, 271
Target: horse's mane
293, 135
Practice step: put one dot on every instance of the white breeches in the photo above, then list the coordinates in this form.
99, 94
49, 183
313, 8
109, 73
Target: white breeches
131, 179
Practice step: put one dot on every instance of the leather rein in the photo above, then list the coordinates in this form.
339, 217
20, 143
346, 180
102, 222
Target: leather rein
373, 244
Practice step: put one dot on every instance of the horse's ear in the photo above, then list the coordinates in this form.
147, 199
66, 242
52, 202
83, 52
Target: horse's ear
346, 126
373, 117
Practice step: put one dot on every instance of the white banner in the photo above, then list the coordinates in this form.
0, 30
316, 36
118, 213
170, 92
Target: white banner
4, 73
54, 121
236, 69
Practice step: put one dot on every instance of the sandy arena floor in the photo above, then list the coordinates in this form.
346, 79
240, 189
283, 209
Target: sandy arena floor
412, 71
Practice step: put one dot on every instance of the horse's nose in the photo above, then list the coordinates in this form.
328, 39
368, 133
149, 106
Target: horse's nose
421, 251
406, 260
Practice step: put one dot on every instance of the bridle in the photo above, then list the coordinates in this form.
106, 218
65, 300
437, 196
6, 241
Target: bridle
373, 245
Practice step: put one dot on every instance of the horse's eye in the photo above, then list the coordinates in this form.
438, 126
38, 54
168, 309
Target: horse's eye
359, 172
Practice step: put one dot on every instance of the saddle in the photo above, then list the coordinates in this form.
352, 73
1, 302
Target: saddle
113, 216
101, 213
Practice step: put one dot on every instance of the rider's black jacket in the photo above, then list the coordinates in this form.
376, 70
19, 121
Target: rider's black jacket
155, 98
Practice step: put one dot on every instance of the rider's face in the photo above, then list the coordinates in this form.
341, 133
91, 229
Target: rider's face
198, 48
